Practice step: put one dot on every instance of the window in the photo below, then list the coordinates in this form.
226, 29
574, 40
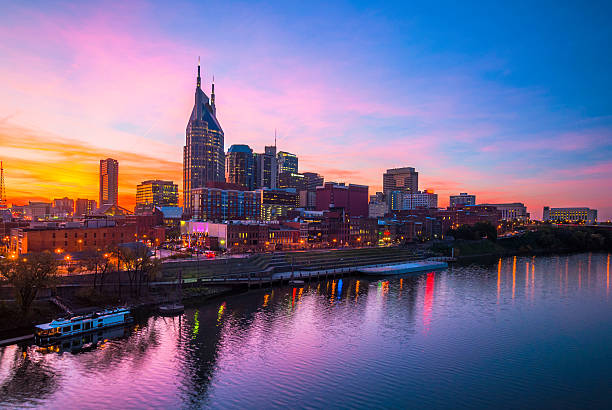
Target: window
76, 327
66, 329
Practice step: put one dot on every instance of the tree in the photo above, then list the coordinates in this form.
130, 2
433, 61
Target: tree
138, 264
100, 263
29, 275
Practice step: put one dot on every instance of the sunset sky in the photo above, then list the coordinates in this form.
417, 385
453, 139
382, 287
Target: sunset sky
511, 103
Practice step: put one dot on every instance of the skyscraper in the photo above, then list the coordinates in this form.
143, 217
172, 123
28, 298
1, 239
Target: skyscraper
287, 162
266, 168
240, 166
204, 151
3, 204
109, 182
400, 179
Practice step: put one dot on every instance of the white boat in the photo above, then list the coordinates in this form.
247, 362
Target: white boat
65, 327
171, 309
398, 269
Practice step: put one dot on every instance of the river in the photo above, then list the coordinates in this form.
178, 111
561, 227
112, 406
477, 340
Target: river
523, 332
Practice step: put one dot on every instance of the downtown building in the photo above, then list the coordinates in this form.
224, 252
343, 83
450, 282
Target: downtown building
204, 152
401, 179
462, 199
511, 211
402, 200
266, 168
155, 193
352, 198
586, 215
240, 166
109, 182
84, 207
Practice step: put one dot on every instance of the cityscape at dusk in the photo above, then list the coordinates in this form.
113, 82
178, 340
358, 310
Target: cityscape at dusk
352, 89
326, 205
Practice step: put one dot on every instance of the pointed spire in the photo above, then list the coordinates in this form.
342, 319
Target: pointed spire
199, 79
212, 94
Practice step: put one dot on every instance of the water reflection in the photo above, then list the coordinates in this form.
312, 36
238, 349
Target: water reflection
413, 339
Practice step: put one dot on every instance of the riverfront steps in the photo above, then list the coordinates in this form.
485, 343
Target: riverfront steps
283, 262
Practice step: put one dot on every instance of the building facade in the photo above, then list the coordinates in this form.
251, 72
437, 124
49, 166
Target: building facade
353, 198
266, 169
70, 237
84, 207
204, 151
287, 162
156, 193
586, 215
213, 204
512, 211
109, 182
401, 179
240, 166
276, 203
402, 200
462, 199
63, 206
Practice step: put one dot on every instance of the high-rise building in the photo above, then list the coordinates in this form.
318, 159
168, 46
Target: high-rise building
156, 193
586, 215
266, 168
461, 200
84, 207
287, 162
215, 204
204, 152
378, 205
63, 206
353, 198
313, 180
293, 180
109, 182
275, 203
3, 204
240, 166
401, 179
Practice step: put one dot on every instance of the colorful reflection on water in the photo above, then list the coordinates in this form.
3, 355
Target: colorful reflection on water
477, 336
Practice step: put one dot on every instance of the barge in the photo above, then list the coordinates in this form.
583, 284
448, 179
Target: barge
76, 325
410, 267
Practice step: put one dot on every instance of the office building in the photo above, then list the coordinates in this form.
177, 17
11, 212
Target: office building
240, 166
353, 198
462, 199
204, 151
266, 169
378, 206
293, 180
156, 193
37, 210
276, 203
63, 206
402, 200
84, 207
586, 215
287, 162
109, 182
214, 204
313, 180
400, 179
511, 211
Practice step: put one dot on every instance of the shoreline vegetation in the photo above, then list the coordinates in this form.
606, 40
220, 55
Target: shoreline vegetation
469, 244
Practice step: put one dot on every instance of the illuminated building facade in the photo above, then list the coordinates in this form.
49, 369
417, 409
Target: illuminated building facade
462, 199
213, 204
84, 207
240, 166
204, 152
109, 182
586, 215
512, 211
287, 162
276, 203
156, 193
401, 179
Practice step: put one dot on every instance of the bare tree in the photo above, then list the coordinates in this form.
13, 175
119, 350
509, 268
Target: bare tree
100, 263
139, 266
28, 275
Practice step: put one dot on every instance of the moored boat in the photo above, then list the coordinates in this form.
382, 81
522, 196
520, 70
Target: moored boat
398, 269
65, 327
171, 309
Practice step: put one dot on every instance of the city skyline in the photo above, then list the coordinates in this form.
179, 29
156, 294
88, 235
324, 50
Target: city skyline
487, 125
